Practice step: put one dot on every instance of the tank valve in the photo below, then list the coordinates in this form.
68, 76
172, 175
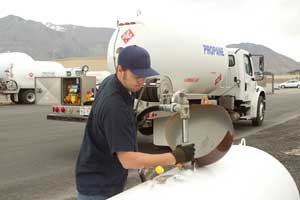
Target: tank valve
180, 104
184, 111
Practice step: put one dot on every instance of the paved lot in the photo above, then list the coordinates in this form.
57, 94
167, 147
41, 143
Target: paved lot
38, 156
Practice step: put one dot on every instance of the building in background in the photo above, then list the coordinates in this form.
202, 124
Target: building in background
295, 72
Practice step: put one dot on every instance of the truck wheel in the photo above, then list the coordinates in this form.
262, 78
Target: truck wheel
12, 98
260, 116
282, 86
28, 97
146, 131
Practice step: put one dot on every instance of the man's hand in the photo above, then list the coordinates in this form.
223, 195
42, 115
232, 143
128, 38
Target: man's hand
184, 154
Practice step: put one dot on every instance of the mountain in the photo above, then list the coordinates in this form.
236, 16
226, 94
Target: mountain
49, 41
274, 62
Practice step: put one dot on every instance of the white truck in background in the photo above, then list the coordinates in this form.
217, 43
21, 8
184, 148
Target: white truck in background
17, 72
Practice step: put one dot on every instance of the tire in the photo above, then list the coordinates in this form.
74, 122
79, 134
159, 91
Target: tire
146, 131
28, 97
12, 98
282, 86
260, 116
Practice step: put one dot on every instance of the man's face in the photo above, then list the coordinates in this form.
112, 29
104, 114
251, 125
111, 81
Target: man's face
130, 81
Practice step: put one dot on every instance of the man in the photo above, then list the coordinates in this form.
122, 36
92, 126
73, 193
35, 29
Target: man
109, 146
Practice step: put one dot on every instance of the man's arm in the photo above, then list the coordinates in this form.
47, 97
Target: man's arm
137, 160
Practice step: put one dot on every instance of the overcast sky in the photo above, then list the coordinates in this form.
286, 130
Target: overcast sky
272, 23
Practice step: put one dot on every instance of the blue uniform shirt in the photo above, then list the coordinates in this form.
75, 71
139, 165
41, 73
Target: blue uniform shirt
111, 127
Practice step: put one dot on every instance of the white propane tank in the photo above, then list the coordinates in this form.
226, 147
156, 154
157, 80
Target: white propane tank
8, 61
244, 173
22, 68
49, 68
191, 61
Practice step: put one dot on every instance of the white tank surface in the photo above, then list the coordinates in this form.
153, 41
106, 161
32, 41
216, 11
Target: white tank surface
22, 68
193, 62
245, 173
100, 75
8, 59
50, 68
17, 56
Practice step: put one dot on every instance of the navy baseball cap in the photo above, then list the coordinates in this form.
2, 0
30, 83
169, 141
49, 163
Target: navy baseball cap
137, 60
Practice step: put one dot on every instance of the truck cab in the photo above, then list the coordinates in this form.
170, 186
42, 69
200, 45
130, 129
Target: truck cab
241, 86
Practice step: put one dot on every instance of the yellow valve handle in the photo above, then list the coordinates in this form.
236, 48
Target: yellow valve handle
179, 165
159, 169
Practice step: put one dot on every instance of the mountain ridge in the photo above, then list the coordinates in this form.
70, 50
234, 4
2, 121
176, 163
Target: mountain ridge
44, 43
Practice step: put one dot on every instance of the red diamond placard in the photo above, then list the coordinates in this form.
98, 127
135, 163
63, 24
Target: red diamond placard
127, 36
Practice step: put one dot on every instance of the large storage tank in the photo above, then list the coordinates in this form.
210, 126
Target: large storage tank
245, 173
191, 60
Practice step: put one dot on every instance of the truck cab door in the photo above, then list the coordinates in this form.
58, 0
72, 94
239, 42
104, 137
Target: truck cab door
250, 84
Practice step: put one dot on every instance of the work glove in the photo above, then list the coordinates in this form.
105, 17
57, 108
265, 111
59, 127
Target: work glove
184, 154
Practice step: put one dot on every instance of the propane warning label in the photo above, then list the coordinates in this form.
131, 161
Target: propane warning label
218, 79
128, 35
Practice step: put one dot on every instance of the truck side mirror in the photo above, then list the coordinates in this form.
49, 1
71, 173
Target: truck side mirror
259, 72
259, 76
261, 64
